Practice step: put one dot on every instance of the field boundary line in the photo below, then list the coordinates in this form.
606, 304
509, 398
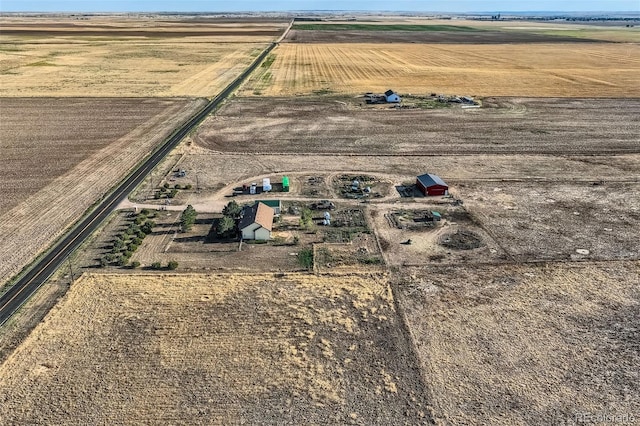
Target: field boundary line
37, 272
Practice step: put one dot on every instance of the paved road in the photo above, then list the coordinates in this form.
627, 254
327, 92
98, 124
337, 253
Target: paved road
38, 274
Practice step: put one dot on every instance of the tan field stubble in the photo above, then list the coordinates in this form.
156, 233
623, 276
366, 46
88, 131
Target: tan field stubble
537, 70
205, 349
526, 344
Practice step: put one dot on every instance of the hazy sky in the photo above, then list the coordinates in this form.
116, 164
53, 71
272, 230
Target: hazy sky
276, 5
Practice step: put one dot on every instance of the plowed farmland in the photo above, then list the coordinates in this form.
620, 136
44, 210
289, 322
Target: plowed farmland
420, 30
524, 344
222, 349
63, 154
536, 70
502, 126
320, 35
126, 58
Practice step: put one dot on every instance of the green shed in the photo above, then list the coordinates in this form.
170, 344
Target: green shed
276, 205
285, 183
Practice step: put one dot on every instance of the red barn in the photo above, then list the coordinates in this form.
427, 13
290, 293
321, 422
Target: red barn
430, 184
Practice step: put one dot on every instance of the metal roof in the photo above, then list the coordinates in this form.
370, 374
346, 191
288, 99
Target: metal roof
258, 213
271, 203
428, 180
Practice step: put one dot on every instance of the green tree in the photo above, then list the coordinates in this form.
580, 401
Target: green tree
306, 218
118, 245
232, 210
226, 225
305, 258
156, 265
188, 218
172, 265
147, 228
135, 264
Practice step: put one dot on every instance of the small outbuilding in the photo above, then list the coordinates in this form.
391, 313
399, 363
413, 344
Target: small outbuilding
256, 222
391, 97
285, 183
430, 184
276, 205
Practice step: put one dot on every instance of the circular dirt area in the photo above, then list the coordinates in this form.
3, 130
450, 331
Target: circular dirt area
461, 240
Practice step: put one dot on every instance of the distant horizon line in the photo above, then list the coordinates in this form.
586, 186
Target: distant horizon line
325, 11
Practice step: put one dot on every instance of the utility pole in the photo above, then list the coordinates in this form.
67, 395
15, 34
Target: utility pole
71, 270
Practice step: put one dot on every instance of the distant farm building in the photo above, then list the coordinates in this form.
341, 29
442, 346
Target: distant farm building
256, 222
276, 205
391, 97
388, 97
430, 184
285, 183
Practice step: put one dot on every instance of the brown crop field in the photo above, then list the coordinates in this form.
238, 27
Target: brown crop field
142, 58
61, 155
421, 30
221, 349
513, 299
525, 344
378, 37
605, 70
502, 126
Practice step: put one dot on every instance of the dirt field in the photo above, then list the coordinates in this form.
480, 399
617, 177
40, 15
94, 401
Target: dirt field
462, 30
603, 70
519, 306
457, 37
215, 169
117, 57
502, 126
557, 221
95, 141
506, 345
204, 349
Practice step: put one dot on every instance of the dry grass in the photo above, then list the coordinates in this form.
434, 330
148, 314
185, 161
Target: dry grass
547, 70
501, 126
124, 56
116, 68
516, 345
94, 141
538, 221
230, 169
203, 349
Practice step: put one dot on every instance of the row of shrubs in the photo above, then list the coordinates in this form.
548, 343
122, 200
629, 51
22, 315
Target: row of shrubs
167, 191
128, 241
171, 265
